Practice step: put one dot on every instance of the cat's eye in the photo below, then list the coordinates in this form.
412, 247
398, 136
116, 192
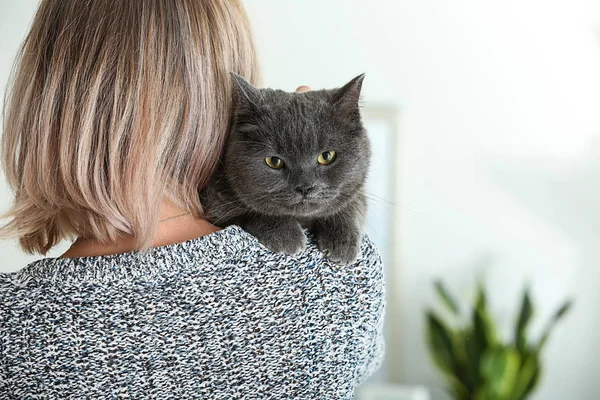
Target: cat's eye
274, 162
326, 158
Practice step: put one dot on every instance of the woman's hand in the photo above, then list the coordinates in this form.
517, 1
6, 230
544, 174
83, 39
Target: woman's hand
302, 89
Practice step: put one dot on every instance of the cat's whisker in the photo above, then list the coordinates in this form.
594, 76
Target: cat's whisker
379, 203
374, 197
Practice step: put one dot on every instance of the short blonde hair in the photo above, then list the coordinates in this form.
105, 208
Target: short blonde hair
113, 106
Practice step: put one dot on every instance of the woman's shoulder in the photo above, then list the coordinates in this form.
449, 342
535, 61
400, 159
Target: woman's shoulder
228, 251
368, 254
313, 264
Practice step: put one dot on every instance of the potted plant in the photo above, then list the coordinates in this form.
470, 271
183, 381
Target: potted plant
476, 363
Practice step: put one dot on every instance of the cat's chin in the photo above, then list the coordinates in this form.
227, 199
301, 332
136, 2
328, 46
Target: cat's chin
307, 208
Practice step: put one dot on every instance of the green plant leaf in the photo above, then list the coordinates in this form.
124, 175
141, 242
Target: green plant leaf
440, 344
528, 377
441, 341
481, 298
533, 382
478, 338
456, 389
475, 345
472, 352
474, 362
446, 298
483, 322
459, 336
500, 368
522, 323
553, 321
481, 394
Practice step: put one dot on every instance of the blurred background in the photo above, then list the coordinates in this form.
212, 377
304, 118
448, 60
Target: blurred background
495, 166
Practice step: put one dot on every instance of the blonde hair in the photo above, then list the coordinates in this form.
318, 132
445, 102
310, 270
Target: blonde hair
113, 106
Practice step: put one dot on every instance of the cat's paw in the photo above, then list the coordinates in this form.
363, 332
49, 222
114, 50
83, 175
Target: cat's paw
287, 239
342, 250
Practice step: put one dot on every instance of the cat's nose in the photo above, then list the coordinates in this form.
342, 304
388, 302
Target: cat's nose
304, 189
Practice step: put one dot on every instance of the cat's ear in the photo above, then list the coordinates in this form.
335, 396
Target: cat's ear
349, 95
245, 92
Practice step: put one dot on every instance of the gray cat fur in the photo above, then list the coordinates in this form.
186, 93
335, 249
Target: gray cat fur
275, 205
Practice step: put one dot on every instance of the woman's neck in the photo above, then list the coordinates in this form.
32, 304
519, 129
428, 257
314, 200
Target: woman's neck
177, 226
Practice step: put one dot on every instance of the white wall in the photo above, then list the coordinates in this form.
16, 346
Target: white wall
499, 157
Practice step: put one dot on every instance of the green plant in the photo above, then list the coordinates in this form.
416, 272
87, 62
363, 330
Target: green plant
475, 362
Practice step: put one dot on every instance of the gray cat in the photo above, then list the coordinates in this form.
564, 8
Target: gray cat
294, 161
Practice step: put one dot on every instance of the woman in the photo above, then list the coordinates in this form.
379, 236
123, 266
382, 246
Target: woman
116, 116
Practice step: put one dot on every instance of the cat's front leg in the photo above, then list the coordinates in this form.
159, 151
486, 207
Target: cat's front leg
279, 234
339, 236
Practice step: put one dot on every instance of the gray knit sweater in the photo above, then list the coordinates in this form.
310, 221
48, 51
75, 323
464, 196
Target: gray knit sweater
217, 317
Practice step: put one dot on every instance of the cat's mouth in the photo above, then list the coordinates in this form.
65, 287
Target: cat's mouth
308, 206
312, 201
308, 202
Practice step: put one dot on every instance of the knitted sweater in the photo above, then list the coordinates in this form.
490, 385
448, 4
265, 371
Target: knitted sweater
217, 317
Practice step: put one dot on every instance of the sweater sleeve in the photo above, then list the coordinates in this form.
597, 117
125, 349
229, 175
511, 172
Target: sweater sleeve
371, 345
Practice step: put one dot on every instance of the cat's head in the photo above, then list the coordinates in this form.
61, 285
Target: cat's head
298, 154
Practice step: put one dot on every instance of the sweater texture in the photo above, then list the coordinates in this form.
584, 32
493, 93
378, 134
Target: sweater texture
217, 317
